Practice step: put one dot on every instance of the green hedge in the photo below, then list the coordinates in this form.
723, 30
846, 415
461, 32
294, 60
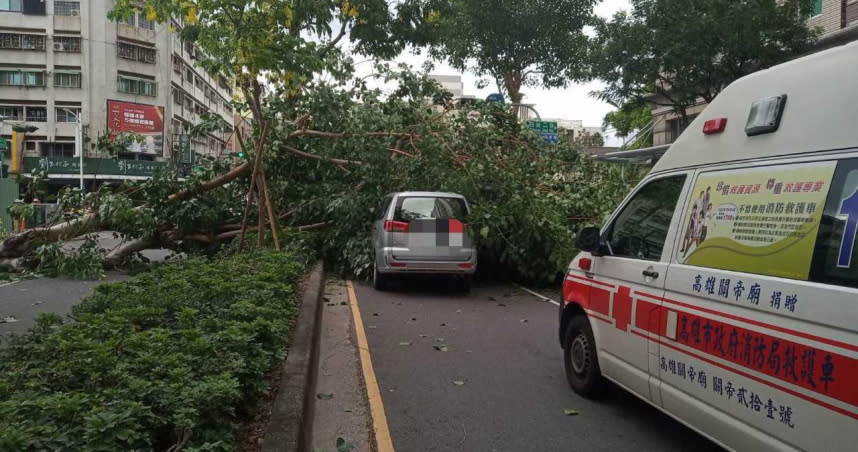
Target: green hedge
177, 352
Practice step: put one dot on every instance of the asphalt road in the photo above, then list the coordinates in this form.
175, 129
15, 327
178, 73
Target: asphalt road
502, 344
23, 300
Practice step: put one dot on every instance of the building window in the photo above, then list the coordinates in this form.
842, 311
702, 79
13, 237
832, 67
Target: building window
136, 86
32, 42
64, 8
135, 52
227, 107
37, 114
66, 44
198, 82
21, 42
177, 64
143, 22
22, 78
12, 113
67, 79
32, 78
10, 5
59, 149
189, 75
66, 114
130, 20
178, 97
817, 8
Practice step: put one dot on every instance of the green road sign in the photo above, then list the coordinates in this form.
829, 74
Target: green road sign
543, 127
3, 144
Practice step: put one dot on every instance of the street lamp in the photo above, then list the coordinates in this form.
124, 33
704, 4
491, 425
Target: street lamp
78, 142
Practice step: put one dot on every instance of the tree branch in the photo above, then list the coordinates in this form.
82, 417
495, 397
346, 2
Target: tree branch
319, 157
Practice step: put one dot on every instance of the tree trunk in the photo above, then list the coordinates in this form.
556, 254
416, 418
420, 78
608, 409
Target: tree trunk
512, 82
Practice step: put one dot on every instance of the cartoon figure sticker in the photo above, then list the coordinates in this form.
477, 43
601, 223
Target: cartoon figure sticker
759, 220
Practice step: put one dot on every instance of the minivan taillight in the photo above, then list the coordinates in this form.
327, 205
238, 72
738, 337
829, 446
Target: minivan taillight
395, 226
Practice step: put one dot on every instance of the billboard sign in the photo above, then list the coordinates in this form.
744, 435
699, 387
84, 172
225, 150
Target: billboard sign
140, 119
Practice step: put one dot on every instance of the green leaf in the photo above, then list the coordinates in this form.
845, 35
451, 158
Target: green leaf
324, 396
570, 412
343, 445
459, 382
404, 344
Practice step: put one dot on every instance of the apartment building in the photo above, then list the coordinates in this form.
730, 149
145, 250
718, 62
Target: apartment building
62, 60
838, 20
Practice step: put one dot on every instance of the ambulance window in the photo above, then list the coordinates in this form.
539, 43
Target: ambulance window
835, 258
640, 229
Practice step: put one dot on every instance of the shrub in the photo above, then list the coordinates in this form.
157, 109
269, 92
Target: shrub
179, 352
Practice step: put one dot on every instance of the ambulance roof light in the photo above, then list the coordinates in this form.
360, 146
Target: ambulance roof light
765, 115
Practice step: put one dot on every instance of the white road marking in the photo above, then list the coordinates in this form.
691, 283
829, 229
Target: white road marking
9, 283
539, 295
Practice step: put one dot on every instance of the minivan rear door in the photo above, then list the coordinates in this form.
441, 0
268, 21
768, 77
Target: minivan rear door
430, 228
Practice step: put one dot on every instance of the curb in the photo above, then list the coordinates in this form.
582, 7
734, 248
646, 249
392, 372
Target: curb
290, 427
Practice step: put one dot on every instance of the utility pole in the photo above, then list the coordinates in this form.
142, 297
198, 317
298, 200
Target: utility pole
78, 143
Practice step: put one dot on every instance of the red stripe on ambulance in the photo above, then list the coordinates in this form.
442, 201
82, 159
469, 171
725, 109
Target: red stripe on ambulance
823, 372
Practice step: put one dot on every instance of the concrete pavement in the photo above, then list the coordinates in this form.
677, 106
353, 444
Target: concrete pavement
500, 384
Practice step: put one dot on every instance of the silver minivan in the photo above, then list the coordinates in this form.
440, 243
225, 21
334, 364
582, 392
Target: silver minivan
423, 233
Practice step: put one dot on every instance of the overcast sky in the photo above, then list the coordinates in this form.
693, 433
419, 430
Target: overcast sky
573, 102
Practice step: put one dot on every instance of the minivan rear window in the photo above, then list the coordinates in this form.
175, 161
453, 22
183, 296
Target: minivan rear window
429, 207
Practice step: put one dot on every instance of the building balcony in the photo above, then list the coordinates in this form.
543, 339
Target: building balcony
66, 23
135, 34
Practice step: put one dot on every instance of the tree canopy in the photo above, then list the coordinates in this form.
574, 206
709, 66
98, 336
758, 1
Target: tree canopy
513, 43
678, 52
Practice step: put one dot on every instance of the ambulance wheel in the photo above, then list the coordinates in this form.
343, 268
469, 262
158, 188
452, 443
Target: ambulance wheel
379, 280
580, 360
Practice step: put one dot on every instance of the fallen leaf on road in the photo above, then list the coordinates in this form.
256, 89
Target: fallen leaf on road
440, 348
326, 298
459, 311
423, 335
523, 320
501, 305
343, 303
344, 446
443, 324
38, 303
493, 299
324, 396
570, 412
413, 319
405, 344
10, 319
372, 327
375, 314
331, 304
459, 382
440, 339
347, 410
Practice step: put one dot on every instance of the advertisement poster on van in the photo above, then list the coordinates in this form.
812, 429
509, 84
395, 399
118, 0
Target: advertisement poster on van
141, 119
762, 220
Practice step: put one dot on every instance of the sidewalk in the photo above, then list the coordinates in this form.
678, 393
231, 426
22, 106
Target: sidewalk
341, 410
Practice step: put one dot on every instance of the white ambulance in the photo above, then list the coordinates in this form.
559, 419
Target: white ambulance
724, 289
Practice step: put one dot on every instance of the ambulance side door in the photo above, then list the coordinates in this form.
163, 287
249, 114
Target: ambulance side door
627, 279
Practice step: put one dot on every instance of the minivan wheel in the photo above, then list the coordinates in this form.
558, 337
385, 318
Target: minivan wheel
379, 280
465, 283
581, 362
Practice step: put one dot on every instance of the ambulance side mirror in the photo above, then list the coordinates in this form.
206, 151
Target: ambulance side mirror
589, 239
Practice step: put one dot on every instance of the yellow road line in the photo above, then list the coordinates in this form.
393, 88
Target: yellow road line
376, 407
